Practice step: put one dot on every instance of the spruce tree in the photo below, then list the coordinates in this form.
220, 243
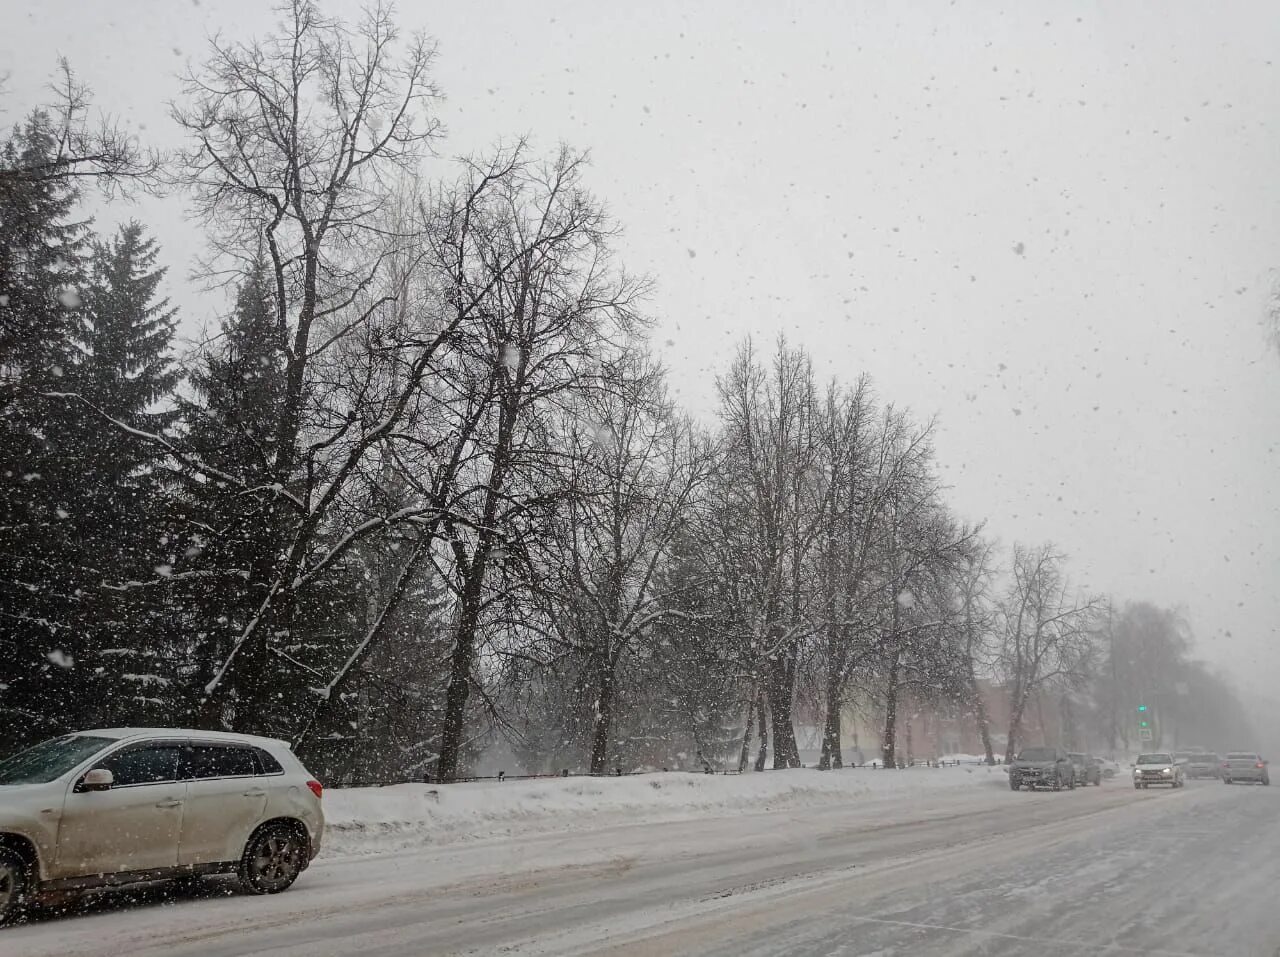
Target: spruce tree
42, 579
232, 539
125, 371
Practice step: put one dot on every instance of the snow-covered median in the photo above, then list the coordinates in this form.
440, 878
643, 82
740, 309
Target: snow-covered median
376, 820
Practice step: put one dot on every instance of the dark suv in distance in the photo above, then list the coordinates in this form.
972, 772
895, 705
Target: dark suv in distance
1042, 768
1088, 768
1204, 764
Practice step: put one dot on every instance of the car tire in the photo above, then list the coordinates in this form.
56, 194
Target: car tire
1014, 784
273, 858
15, 884
1226, 780
1137, 786
1071, 783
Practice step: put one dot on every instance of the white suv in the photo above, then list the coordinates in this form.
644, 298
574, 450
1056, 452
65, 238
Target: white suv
103, 808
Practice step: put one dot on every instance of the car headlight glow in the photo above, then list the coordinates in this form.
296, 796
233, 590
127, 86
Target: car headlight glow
1166, 770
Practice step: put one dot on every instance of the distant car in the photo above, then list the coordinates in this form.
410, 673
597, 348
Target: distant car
1204, 765
103, 808
1088, 769
1042, 767
1245, 766
1158, 768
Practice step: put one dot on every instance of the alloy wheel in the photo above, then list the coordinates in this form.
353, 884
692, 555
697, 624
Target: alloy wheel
8, 886
276, 861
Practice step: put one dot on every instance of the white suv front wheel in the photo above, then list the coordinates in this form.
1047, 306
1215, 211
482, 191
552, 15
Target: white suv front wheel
273, 859
14, 884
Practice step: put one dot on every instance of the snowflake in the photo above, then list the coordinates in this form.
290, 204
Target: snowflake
61, 658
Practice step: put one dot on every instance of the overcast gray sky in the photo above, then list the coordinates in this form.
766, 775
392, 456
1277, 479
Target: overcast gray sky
1053, 224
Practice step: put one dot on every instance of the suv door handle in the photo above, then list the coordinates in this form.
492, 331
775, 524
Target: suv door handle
255, 793
169, 804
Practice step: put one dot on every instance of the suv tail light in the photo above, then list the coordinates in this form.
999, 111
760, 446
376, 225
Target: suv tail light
316, 788
1258, 765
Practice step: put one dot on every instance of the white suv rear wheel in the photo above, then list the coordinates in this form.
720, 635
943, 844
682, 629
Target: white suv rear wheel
273, 859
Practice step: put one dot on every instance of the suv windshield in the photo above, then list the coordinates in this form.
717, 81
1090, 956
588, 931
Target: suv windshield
1036, 754
50, 759
1155, 759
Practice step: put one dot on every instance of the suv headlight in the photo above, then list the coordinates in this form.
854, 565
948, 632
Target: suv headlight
1167, 771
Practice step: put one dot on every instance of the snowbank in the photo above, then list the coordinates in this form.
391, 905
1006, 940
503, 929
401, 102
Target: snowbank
376, 820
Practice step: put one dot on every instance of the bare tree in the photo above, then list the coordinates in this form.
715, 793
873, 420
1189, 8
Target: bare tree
919, 556
550, 308
873, 467
84, 149
1048, 635
779, 496
638, 468
977, 620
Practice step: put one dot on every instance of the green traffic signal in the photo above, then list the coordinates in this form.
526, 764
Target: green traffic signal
1144, 724
1142, 707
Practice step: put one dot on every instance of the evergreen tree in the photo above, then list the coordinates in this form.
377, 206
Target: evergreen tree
125, 370
42, 580
231, 539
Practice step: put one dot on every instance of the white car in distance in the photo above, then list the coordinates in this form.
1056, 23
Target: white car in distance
105, 808
1158, 768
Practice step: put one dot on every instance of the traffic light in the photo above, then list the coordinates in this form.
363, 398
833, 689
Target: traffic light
1144, 724
1142, 708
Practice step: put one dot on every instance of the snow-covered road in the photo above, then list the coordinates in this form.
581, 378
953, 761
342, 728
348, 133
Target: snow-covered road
946, 870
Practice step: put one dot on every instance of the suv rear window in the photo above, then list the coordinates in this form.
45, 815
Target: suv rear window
203, 761
267, 762
1242, 756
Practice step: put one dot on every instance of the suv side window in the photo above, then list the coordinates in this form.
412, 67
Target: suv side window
202, 761
143, 764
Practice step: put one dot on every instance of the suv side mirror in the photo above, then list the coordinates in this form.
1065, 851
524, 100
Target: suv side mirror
99, 779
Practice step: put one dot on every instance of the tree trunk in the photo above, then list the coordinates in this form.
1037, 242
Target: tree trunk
764, 733
781, 687
745, 755
831, 746
455, 702
464, 647
603, 721
1015, 728
980, 715
887, 745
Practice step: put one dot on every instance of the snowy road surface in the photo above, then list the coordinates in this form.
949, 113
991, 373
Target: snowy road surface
975, 871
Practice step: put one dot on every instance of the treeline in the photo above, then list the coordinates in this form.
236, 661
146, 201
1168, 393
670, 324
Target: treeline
424, 489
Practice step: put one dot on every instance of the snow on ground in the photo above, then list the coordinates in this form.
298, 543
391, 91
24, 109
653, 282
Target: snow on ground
378, 820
